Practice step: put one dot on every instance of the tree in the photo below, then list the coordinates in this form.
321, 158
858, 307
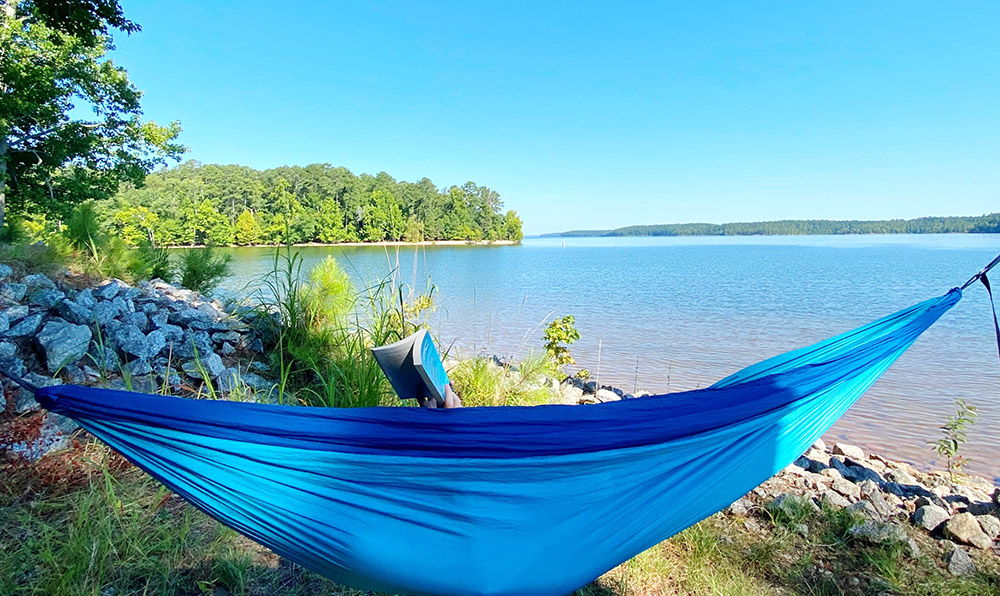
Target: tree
52, 60
135, 225
247, 229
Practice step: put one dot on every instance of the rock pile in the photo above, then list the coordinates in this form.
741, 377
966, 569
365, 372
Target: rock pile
888, 495
140, 338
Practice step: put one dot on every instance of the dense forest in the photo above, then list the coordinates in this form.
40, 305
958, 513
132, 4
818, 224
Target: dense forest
792, 227
196, 203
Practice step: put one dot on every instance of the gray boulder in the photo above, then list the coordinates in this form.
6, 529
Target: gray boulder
990, 526
139, 319
74, 312
16, 313
46, 298
138, 368
62, 343
964, 528
109, 290
850, 451
847, 488
104, 358
878, 533
930, 517
224, 336
959, 562
86, 299
104, 312
13, 292
5, 272
25, 400
834, 500
866, 509
37, 281
124, 304
7, 349
211, 364
227, 349
4, 322
26, 326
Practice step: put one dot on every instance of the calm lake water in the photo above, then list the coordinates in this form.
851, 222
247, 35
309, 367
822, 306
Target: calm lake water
671, 314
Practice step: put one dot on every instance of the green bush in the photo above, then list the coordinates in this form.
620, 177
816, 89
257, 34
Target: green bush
201, 269
483, 382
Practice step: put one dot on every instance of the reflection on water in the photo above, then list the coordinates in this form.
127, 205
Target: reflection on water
670, 314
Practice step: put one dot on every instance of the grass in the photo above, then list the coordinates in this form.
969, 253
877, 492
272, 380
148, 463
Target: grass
482, 382
86, 523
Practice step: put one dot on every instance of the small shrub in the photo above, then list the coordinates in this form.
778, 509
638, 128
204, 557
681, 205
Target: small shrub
560, 334
482, 382
83, 228
201, 269
151, 262
953, 429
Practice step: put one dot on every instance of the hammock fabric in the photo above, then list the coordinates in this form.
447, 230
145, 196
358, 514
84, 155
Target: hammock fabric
500, 500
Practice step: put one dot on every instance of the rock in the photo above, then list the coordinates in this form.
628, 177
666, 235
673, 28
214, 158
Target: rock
210, 364
16, 313
878, 533
12, 292
964, 528
104, 312
110, 290
256, 345
605, 395
819, 445
85, 298
139, 319
25, 401
12, 365
849, 451
912, 548
140, 367
980, 508
834, 500
930, 517
846, 488
74, 374
866, 509
227, 349
47, 298
55, 433
62, 343
996, 497
172, 332
959, 562
37, 281
27, 326
124, 304
74, 312
5, 272
156, 340
901, 477
159, 319
104, 358
131, 340
739, 507
191, 317
228, 336
990, 526
7, 349
151, 308
194, 344
590, 387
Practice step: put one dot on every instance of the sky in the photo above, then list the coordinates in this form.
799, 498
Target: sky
598, 114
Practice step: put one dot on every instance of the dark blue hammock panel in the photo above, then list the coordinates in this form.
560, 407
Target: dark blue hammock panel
501, 500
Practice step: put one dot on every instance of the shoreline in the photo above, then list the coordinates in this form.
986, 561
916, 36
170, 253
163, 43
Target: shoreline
379, 243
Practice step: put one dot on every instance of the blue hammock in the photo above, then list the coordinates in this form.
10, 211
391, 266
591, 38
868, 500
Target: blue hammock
500, 500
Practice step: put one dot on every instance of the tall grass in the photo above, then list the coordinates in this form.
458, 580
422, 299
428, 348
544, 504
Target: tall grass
323, 330
483, 382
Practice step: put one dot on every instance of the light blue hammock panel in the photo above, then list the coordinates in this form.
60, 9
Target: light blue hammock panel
502, 500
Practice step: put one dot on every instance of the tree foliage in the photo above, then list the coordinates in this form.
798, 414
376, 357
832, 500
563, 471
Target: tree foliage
923, 225
53, 68
195, 203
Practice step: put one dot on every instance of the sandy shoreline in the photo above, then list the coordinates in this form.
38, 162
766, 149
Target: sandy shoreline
380, 243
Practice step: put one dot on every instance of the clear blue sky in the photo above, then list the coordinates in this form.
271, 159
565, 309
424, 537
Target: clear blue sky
585, 114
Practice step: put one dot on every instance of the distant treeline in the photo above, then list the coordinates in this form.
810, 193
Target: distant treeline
984, 224
196, 203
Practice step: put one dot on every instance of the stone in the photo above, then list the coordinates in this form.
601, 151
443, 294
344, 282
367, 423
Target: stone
849, 451
16, 313
74, 312
846, 488
930, 517
739, 507
605, 395
104, 358
62, 343
819, 445
190, 316
980, 508
990, 526
156, 340
7, 349
130, 340
172, 332
159, 319
25, 401
47, 298
211, 364
13, 292
959, 562
74, 374
194, 343
227, 349
834, 500
139, 319
5, 272
110, 290
256, 345
85, 298
12, 365
790, 505
831, 473
104, 312
227, 336
139, 367
866, 509
151, 308
964, 528
996, 497
912, 548
37, 281
55, 433
878, 532
124, 304
901, 477
26, 326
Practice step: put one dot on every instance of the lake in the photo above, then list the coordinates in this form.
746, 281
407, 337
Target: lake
671, 314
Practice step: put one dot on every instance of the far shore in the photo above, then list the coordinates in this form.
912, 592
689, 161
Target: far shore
380, 243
